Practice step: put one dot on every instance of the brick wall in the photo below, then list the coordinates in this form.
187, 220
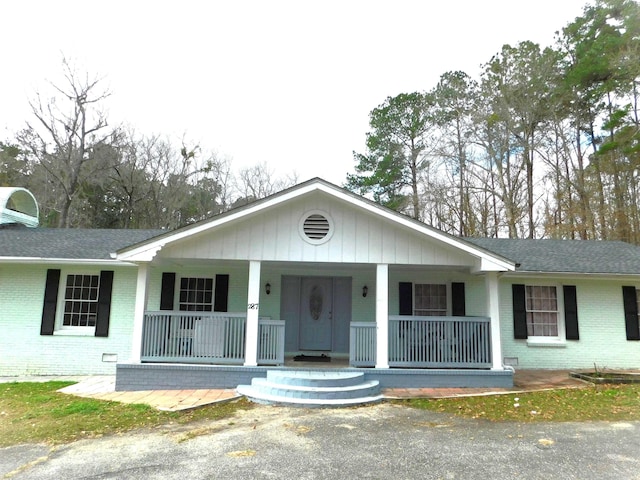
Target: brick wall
601, 325
26, 352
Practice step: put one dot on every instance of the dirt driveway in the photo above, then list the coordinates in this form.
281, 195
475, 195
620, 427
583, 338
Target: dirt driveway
377, 442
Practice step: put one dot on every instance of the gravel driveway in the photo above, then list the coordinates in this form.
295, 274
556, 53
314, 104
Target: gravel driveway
381, 441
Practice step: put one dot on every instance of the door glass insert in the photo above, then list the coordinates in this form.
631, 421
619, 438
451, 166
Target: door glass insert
316, 299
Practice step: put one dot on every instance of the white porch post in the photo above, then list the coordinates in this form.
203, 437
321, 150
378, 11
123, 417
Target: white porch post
382, 316
493, 310
253, 305
138, 317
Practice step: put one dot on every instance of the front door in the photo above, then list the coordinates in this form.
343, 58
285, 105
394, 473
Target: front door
316, 313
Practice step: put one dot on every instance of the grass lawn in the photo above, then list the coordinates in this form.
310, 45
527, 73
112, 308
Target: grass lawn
36, 412
600, 402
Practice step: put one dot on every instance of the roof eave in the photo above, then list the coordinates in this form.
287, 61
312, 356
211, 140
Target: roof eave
526, 273
145, 251
65, 261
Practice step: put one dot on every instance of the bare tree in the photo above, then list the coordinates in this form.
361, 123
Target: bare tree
258, 182
66, 132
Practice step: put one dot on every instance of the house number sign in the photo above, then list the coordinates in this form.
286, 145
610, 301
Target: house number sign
253, 306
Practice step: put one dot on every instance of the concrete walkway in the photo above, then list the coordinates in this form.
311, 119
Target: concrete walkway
523, 380
102, 387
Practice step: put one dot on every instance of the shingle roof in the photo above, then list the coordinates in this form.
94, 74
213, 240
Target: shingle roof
565, 256
539, 255
68, 243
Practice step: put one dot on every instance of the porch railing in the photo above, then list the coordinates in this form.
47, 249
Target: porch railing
271, 342
362, 344
207, 337
426, 342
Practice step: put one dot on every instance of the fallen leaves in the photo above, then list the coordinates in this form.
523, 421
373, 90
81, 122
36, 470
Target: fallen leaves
241, 453
584, 404
545, 443
299, 429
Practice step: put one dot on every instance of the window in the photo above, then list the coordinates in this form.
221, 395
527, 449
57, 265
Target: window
430, 299
542, 311
81, 301
196, 294
546, 315
77, 303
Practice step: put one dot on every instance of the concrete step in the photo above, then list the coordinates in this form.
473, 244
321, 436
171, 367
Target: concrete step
315, 378
363, 389
259, 397
312, 389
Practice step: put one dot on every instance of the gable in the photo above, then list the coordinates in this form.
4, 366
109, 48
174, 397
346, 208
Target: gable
266, 229
353, 235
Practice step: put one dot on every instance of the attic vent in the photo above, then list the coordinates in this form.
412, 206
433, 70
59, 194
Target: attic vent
316, 228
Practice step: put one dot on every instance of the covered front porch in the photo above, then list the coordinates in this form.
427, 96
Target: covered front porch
315, 270
208, 349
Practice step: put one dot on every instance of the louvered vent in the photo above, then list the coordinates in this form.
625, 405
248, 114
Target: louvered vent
316, 226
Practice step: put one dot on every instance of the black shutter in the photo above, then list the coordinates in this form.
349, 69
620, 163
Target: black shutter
631, 312
50, 302
104, 303
221, 299
457, 300
167, 293
519, 312
405, 301
571, 312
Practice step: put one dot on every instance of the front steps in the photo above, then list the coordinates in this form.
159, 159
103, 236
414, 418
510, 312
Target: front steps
312, 388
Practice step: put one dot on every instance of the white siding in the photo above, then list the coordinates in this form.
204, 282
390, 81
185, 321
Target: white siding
359, 237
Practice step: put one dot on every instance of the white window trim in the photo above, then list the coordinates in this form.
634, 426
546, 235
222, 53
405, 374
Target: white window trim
447, 284
550, 341
178, 289
68, 330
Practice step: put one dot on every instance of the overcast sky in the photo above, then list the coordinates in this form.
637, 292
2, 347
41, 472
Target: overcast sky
290, 83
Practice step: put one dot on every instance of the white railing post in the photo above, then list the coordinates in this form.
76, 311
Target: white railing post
362, 344
142, 283
271, 342
382, 316
493, 311
253, 310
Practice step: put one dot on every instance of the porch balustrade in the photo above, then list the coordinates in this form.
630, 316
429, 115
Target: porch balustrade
426, 342
208, 337
362, 344
219, 338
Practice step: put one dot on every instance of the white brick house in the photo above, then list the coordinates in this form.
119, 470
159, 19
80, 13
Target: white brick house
316, 271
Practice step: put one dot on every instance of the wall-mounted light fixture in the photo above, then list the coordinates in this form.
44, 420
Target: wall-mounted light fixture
267, 288
365, 290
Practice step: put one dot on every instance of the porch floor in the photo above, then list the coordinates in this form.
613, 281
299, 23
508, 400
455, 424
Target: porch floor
103, 387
